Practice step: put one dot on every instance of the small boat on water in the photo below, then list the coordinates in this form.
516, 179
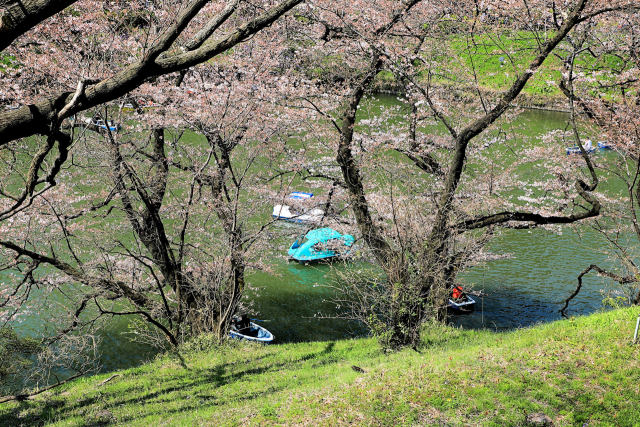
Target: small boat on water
588, 147
101, 125
321, 244
139, 104
243, 329
288, 213
603, 145
460, 302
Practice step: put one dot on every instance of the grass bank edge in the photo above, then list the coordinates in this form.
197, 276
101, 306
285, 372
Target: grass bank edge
579, 370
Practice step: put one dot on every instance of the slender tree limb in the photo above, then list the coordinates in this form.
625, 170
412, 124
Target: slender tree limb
171, 34
212, 25
628, 7
601, 272
23, 397
170, 337
583, 105
114, 286
76, 316
504, 217
207, 31
407, 5
425, 162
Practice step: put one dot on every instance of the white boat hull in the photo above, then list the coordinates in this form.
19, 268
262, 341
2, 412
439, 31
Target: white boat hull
262, 334
284, 212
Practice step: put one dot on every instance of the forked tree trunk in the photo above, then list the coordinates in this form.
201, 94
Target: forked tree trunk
410, 300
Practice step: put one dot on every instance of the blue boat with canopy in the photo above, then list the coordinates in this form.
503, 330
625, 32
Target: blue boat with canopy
321, 244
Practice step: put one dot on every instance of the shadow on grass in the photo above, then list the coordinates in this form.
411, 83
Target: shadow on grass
190, 385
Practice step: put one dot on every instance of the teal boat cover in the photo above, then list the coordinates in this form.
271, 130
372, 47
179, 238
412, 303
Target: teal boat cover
321, 244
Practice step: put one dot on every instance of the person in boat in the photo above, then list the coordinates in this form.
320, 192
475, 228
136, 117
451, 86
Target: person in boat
242, 324
457, 293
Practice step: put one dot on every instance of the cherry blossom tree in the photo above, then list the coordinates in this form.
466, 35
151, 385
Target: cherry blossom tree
422, 242
126, 43
225, 118
119, 222
237, 79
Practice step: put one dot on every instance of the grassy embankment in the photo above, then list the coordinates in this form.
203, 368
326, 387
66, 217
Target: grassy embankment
462, 60
583, 370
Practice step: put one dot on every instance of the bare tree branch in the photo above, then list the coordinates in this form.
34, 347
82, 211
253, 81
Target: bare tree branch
601, 272
34, 119
22, 397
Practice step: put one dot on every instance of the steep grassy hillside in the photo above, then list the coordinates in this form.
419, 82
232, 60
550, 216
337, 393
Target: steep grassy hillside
583, 370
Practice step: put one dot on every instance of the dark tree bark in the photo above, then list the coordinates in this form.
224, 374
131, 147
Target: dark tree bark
36, 118
602, 272
19, 16
351, 172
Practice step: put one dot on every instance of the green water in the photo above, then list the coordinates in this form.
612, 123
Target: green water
526, 288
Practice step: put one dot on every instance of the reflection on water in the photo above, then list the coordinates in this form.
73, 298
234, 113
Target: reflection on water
296, 305
520, 291
529, 287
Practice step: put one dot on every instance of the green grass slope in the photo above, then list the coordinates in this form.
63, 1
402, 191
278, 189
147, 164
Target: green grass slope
583, 370
490, 62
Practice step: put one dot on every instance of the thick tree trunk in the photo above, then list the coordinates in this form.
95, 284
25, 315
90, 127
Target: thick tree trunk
351, 172
19, 16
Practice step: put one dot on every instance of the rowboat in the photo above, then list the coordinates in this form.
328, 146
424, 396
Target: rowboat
285, 212
460, 302
253, 333
288, 213
464, 305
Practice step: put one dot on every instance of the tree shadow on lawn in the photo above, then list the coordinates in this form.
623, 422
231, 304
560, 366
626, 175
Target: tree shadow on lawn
39, 412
